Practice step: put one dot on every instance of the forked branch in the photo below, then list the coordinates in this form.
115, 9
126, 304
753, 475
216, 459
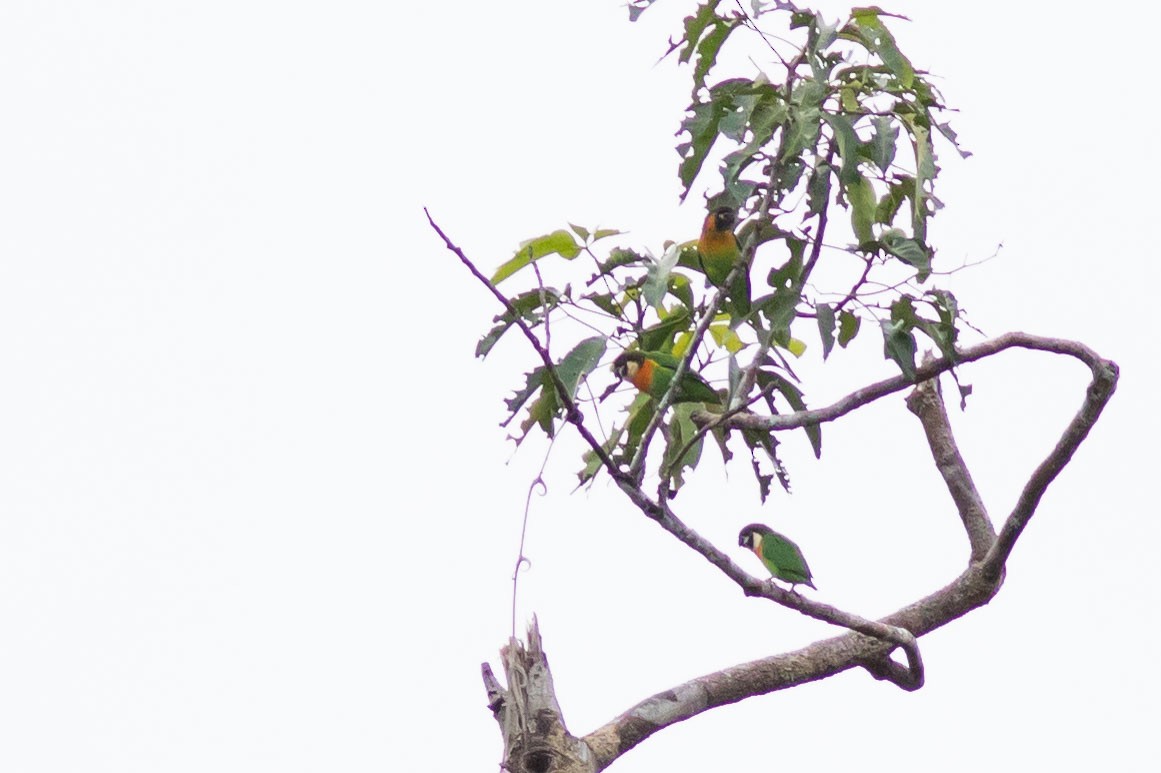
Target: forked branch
869, 644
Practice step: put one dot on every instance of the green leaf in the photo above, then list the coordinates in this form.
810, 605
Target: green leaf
925, 171
794, 346
878, 39
826, 324
898, 338
533, 380
526, 305
559, 242
659, 337
619, 257
897, 192
606, 302
883, 139
848, 328
910, 251
793, 396
818, 190
580, 362
541, 413
681, 430
861, 197
946, 130
725, 337
805, 115
695, 25
638, 7
703, 123
680, 288
657, 281
848, 146
709, 47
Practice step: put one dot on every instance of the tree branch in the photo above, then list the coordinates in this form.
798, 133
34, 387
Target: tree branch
975, 587
573, 414
927, 370
1100, 390
811, 663
926, 402
868, 645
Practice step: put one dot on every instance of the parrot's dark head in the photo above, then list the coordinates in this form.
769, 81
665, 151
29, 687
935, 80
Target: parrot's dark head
627, 364
724, 219
751, 536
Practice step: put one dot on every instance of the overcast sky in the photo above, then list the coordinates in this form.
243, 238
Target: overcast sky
256, 512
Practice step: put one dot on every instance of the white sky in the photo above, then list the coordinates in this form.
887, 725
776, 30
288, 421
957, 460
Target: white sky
255, 510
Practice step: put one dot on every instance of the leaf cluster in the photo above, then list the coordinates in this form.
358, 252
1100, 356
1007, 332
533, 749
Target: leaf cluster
836, 126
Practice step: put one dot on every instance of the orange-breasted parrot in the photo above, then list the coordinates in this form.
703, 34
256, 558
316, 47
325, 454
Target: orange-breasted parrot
718, 252
652, 373
778, 553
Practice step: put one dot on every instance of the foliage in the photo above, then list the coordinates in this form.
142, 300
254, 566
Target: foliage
837, 126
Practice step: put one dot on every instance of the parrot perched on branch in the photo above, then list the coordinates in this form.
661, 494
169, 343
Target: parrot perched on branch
652, 373
778, 553
718, 252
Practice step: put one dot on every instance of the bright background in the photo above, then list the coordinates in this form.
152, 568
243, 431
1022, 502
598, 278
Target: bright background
255, 509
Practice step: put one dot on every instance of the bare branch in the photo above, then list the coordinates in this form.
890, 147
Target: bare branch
817, 661
927, 370
1100, 390
926, 402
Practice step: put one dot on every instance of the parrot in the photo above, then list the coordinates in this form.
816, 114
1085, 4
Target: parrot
652, 372
718, 252
778, 553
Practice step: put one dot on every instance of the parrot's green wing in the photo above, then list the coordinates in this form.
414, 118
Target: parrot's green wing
784, 560
664, 359
693, 387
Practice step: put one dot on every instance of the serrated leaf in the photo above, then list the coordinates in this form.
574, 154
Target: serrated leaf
526, 305
702, 123
695, 25
897, 192
824, 313
559, 242
948, 133
709, 47
878, 39
533, 380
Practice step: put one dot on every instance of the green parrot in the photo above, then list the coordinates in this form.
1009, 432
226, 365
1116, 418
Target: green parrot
652, 373
718, 252
779, 554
